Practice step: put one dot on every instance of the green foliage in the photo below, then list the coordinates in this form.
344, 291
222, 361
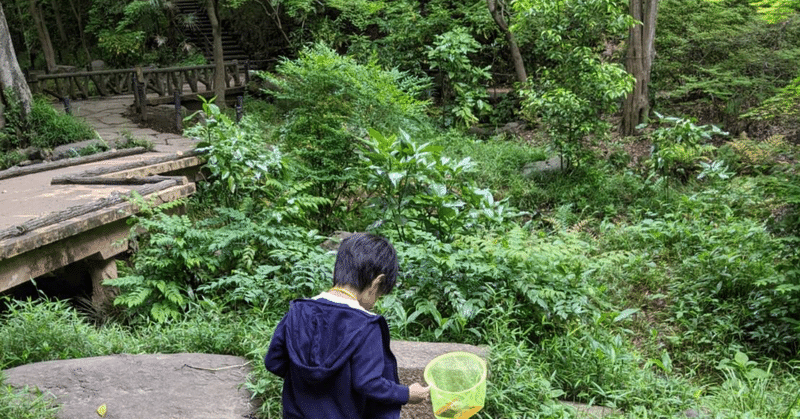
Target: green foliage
136, 32
10, 158
718, 59
25, 403
330, 101
414, 186
45, 127
172, 262
459, 78
776, 11
725, 289
498, 165
516, 388
235, 254
748, 391
48, 128
783, 108
239, 159
678, 148
573, 87
449, 290
121, 48
38, 331
395, 33
758, 156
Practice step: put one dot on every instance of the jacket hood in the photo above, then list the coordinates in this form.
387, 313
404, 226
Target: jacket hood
324, 336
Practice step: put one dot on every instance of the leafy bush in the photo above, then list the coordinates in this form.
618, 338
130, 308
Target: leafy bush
448, 290
234, 254
11, 158
330, 101
679, 148
25, 403
121, 48
459, 78
42, 331
750, 391
241, 163
783, 108
713, 55
725, 289
45, 127
574, 86
758, 156
498, 165
414, 185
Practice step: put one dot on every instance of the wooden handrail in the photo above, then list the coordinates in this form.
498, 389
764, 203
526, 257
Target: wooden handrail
162, 81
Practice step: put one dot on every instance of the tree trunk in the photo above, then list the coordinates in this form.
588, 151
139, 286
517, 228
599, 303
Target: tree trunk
638, 63
516, 56
219, 63
62, 33
81, 33
11, 77
44, 36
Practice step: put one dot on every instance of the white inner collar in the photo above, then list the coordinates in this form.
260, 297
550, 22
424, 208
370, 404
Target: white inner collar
342, 300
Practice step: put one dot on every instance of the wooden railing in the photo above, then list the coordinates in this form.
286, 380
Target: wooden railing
162, 81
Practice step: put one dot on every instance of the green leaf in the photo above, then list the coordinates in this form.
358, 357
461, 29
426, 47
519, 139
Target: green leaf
396, 177
625, 314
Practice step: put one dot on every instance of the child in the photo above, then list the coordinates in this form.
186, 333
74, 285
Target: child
332, 352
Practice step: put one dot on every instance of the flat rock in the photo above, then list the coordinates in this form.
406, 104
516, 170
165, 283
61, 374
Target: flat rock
184, 386
177, 386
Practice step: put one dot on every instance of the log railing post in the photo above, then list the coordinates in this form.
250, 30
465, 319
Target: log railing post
239, 108
236, 80
178, 119
33, 82
137, 103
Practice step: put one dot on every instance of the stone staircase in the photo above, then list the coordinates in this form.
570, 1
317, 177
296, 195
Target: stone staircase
200, 32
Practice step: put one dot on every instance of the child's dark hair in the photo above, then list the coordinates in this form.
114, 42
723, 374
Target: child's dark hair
361, 258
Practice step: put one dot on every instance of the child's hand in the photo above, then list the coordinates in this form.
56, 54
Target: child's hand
417, 393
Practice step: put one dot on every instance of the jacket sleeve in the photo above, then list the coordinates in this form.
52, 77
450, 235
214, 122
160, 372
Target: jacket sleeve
368, 372
277, 358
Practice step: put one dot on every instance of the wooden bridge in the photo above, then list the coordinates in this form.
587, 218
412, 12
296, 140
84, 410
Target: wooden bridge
63, 222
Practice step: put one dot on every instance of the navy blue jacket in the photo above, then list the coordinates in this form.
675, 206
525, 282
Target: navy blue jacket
336, 363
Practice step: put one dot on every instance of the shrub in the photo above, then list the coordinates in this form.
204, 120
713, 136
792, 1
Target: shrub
25, 404
679, 148
574, 87
241, 163
459, 79
758, 156
713, 54
44, 127
726, 288
234, 254
330, 102
448, 290
414, 185
43, 331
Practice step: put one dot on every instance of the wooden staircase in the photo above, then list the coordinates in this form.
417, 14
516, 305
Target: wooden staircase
200, 33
